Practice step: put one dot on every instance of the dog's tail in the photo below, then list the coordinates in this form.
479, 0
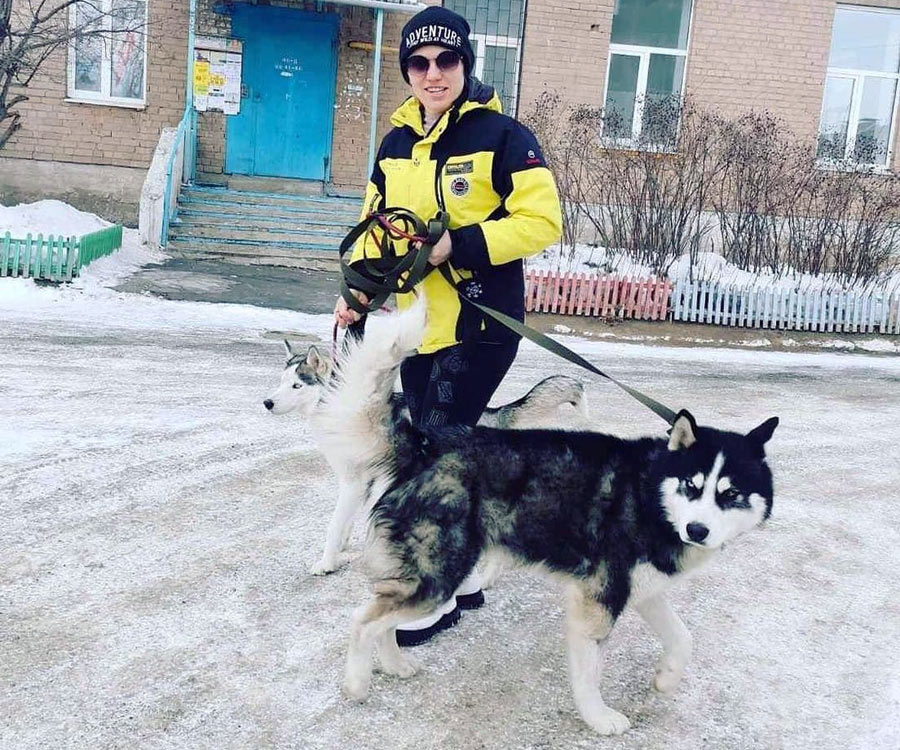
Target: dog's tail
357, 403
539, 408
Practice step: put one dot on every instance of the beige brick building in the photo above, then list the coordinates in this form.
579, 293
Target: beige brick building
93, 148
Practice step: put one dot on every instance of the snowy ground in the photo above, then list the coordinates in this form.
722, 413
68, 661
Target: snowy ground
158, 526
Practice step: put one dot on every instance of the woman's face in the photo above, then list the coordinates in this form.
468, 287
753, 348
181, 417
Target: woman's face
436, 88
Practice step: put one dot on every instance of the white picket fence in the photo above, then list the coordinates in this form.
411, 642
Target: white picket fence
874, 311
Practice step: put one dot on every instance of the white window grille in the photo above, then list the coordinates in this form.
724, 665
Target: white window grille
645, 75
497, 60
497, 30
108, 64
859, 105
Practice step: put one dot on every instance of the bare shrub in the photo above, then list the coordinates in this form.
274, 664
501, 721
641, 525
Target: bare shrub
695, 180
548, 122
778, 209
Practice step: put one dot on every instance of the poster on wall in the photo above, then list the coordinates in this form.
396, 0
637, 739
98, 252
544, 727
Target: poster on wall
217, 74
232, 103
201, 80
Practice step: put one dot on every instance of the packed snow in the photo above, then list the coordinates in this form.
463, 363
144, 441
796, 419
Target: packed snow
159, 526
706, 266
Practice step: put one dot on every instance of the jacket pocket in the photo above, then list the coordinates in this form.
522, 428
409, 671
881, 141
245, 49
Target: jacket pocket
469, 195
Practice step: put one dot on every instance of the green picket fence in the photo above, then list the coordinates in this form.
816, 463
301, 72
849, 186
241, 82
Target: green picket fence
55, 258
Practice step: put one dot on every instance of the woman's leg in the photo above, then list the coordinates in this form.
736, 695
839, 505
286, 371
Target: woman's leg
459, 383
414, 376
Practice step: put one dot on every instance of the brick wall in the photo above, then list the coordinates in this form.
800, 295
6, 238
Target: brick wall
765, 55
761, 55
56, 130
565, 51
211, 125
354, 92
743, 55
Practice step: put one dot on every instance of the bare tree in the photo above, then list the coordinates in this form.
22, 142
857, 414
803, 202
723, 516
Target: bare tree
661, 195
563, 155
31, 31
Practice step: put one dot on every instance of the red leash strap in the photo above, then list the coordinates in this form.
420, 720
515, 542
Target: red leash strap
394, 231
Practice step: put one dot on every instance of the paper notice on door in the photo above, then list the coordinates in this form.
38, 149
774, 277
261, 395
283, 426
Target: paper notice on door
217, 76
201, 82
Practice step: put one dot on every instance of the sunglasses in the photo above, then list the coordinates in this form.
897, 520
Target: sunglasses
446, 61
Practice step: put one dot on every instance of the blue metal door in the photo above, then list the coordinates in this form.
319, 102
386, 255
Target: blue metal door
287, 98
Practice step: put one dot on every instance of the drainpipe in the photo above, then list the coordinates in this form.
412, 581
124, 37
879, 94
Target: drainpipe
376, 81
190, 165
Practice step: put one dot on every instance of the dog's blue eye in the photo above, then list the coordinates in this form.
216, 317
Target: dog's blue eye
732, 498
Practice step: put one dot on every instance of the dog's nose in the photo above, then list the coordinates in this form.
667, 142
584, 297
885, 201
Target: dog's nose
697, 532
269, 403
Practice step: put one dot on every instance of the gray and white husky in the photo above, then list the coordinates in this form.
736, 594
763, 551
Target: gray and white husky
306, 386
617, 520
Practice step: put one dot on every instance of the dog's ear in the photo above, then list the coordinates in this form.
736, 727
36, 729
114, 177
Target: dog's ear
287, 348
320, 363
762, 434
684, 431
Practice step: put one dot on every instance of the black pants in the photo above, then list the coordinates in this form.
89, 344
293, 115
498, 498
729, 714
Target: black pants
453, 385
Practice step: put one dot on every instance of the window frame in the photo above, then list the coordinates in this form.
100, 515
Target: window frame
640, 95
858, 76
493, 40
102, 97
643, 52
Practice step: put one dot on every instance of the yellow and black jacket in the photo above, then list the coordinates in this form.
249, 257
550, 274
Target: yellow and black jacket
487, 171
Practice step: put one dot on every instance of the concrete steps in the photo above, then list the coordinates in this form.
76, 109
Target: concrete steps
261, 227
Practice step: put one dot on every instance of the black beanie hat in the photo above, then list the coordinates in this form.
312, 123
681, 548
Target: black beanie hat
436, 25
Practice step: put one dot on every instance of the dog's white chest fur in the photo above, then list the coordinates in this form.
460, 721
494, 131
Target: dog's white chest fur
647, 581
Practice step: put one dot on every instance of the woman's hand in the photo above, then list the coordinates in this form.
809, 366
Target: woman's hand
344, 315
442, 249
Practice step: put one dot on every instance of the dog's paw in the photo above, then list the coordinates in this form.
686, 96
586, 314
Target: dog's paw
403, 666
668, 677
324, 567
330, 564
667, 681
355, 689
607, 721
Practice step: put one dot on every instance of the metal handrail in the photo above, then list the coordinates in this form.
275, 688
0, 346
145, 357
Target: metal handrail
178, 142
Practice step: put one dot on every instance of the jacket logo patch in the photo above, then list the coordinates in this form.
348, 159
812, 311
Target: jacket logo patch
463, 167
459, 186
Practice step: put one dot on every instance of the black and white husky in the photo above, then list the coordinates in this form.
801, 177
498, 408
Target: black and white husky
617, 520
341, 429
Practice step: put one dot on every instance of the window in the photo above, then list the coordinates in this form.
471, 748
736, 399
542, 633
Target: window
645, 76
497, 63
497, 40
857, 122
108, 57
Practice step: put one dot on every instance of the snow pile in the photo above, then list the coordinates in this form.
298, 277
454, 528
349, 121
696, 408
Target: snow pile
48, 217
51, 217
706, 267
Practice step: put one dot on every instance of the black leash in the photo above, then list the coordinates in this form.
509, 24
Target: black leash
389, 273
381, 277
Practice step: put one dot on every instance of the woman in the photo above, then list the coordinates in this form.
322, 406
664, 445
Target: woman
451, 149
